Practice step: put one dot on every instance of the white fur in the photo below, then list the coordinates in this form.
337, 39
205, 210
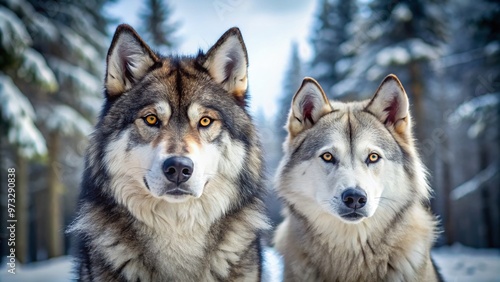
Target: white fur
163, 110
129, 168
326, 188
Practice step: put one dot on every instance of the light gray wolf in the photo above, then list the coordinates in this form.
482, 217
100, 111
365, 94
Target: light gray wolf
354, 190
173, 182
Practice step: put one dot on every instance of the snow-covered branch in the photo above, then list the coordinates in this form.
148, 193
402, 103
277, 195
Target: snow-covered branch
13, 32
475, 183
86, 82
19, 114
65, 120
34, 69
470, 108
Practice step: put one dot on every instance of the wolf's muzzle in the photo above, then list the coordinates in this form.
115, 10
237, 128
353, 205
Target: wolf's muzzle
178, 169
178, 192
354, 198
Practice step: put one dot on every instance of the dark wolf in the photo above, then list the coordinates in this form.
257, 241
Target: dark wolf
172, 188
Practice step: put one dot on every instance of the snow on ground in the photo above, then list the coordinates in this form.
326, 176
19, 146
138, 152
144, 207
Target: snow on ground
457, 263
52, 270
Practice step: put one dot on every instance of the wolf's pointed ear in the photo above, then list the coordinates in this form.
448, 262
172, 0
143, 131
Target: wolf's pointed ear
390, 104
227, 63
128, 60
308, 105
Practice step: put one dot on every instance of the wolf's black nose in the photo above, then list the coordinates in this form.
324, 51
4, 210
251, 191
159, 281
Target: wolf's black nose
178, 169
354, 198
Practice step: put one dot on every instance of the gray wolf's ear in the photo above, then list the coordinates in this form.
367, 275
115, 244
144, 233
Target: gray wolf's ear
128, 60
308, 105
390, 104
227, 63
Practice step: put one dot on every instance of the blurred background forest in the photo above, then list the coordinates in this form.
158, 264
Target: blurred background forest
446, 53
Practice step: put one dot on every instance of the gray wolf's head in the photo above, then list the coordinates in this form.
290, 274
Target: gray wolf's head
351, 160
175, 128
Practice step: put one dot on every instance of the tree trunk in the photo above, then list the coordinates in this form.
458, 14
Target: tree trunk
447, 188
22, 209
441, 181
486, 210
55, 229
417, 92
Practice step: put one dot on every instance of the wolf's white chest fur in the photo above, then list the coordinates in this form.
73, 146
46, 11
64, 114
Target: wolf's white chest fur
347, 251
174, 249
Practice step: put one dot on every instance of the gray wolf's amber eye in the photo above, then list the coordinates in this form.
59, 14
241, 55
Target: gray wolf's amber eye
205, 121
151, 120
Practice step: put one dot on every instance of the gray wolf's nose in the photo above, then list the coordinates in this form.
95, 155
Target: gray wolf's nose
354, 198
178, 169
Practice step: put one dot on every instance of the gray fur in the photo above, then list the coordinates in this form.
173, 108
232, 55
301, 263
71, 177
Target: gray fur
128, 228
390, 237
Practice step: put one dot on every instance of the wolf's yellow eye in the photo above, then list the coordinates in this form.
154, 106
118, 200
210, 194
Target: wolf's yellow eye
373, 158
151, 120
205, 121
327, 157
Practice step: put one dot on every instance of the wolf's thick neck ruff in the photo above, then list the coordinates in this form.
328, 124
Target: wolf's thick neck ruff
375, 249
172, 188
354, 189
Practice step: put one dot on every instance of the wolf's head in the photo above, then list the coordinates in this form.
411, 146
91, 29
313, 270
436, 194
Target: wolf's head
352, 160
174, 128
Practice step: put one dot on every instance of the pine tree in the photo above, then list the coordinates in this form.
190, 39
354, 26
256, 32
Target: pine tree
51, 67
157, 29
293, 79
20, 63
331, 31
474, 65
481, 32
397, 37
77, 63
488, 35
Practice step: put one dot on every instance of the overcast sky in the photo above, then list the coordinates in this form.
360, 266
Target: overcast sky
268, 28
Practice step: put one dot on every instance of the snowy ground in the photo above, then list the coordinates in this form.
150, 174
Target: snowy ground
53, 270
456, 263
459, 263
